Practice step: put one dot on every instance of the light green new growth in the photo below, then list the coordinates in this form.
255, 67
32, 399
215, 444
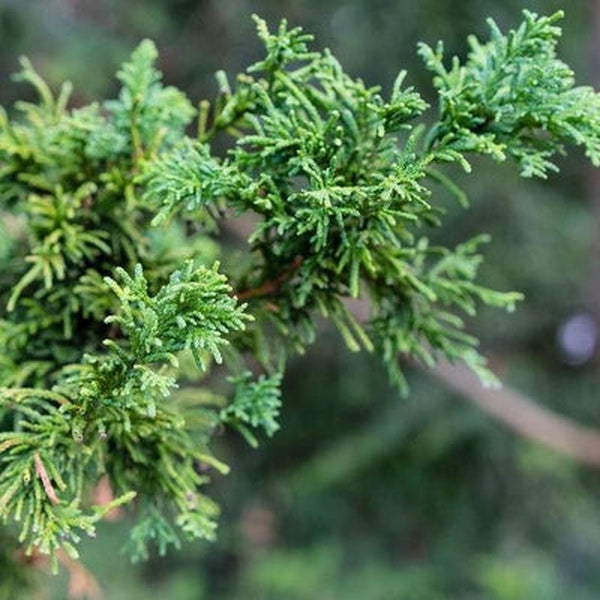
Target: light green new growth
108, 247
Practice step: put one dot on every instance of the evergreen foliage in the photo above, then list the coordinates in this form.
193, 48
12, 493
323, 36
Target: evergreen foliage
110, 283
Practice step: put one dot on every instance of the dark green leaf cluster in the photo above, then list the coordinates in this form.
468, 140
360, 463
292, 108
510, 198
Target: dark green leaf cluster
111, 216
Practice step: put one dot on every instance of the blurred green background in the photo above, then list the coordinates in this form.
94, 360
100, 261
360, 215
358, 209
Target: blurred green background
364, 495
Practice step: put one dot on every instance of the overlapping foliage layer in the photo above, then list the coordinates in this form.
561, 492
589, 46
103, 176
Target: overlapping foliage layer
115, 309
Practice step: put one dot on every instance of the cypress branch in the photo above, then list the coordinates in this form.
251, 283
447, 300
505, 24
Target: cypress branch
110, 245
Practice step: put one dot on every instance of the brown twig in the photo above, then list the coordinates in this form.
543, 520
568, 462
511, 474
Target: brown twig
43, 475
268, 288
271, 286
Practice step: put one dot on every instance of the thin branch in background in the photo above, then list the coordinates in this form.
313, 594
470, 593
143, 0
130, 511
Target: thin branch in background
524, 415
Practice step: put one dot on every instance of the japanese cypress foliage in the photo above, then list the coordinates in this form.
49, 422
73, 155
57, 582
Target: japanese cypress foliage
133, 331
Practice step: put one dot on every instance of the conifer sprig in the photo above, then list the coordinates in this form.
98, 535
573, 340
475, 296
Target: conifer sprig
514, 97
111, 216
